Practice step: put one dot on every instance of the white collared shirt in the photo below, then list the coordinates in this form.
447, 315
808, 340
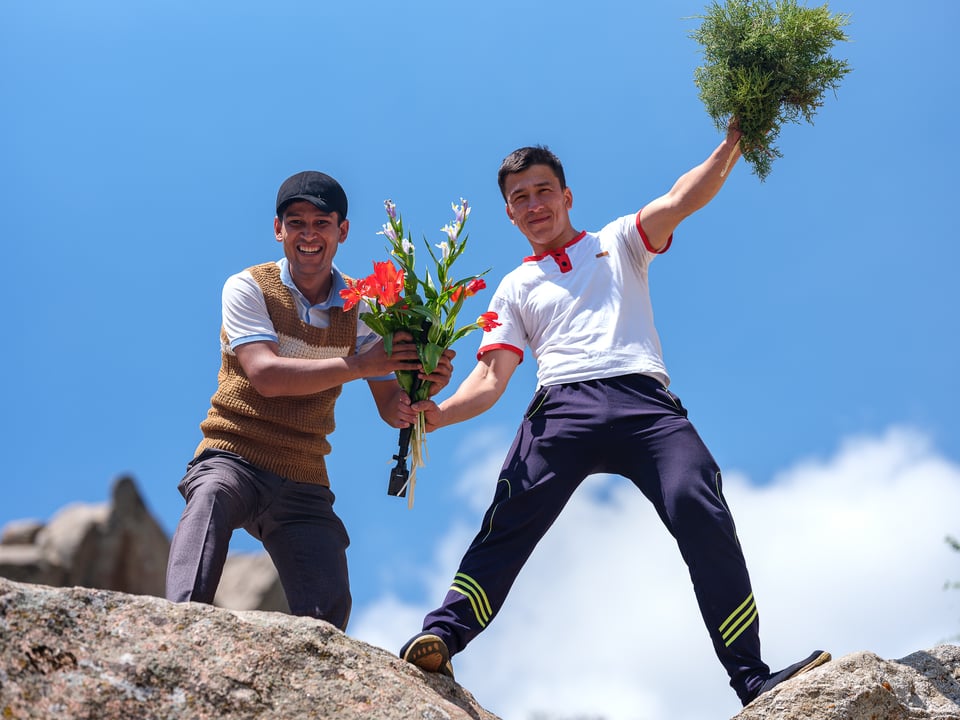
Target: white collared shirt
583, 310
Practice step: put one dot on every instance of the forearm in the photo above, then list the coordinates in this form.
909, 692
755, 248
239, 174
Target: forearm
457, 409
477, 394
690, 192
300, 376
698, 186
273, 375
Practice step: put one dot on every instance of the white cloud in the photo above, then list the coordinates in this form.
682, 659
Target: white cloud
846, 554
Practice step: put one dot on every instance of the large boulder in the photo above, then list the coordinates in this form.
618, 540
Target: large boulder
863, 686
117, 545
94, 654
98, 655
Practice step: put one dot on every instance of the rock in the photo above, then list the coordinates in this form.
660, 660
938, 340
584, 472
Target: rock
863, 686
20, 532
94, 654
133, 547
28, 563
120, 546
113, 546
250, 582
90, 654
70, 541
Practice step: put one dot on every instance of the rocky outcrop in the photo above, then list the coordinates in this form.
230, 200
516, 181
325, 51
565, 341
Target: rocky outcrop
95, 654
114, 649
120, 546
98, 655
114, 546
863, 686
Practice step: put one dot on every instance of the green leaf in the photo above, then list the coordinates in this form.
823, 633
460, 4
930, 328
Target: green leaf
405, 379
429, 356
374, 322
465, 330
422, 392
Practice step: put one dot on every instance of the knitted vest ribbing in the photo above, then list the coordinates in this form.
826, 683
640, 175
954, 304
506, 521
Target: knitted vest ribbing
285, 435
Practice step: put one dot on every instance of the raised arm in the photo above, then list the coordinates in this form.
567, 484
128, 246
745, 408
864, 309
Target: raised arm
690, 192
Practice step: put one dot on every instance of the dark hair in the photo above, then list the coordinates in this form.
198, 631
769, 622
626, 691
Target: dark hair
523, 158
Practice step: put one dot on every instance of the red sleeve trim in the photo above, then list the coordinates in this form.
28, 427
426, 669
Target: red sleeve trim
499, 346
646, 241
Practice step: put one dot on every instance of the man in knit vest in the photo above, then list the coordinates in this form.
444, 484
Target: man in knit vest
287, 348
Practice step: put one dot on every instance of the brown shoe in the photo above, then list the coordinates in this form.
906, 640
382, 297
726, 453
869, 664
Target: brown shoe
428, 652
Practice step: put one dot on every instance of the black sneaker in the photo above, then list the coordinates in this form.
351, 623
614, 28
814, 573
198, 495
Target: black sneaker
428, 652
817, 658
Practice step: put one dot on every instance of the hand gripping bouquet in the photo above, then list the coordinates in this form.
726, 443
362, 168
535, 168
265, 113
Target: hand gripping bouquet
427, 308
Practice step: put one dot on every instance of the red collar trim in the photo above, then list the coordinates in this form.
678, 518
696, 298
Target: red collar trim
558, 252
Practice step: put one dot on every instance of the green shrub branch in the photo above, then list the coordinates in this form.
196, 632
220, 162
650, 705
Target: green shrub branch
767, 63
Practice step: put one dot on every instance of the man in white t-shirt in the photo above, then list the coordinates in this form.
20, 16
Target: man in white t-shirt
581, 303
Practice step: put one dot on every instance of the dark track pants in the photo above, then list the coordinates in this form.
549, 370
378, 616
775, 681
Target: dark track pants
631, 426
295, 522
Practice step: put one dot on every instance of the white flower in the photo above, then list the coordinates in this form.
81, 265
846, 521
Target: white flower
389, 232
444, 247
407, 246
451, 231
461, 211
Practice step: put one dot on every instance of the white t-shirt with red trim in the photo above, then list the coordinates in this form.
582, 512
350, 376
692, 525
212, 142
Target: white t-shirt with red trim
583, 310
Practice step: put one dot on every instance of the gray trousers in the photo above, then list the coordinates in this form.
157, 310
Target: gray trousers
295, 522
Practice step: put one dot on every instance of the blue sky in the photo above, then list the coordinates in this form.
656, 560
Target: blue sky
808, 322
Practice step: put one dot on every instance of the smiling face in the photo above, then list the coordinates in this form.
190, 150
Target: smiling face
539, 207
310, 238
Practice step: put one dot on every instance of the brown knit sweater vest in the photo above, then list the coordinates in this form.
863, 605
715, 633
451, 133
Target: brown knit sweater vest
285, 435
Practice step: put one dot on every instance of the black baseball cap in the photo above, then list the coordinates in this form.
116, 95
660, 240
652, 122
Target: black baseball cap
314, 187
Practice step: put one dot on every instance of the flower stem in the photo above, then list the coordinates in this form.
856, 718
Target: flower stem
418, 453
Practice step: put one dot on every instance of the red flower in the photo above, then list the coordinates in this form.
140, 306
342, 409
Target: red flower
488, 321
387, 283
356, 290
471, 288
352, 294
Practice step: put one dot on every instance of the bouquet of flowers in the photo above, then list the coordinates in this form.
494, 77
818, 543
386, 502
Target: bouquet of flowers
767, 63
427, 308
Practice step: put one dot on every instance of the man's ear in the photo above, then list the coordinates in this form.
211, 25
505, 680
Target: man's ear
278, 228
510, 214
344, 229
568, 197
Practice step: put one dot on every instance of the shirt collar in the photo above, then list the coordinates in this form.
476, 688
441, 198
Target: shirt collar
332, 301
558, 251
559, 255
